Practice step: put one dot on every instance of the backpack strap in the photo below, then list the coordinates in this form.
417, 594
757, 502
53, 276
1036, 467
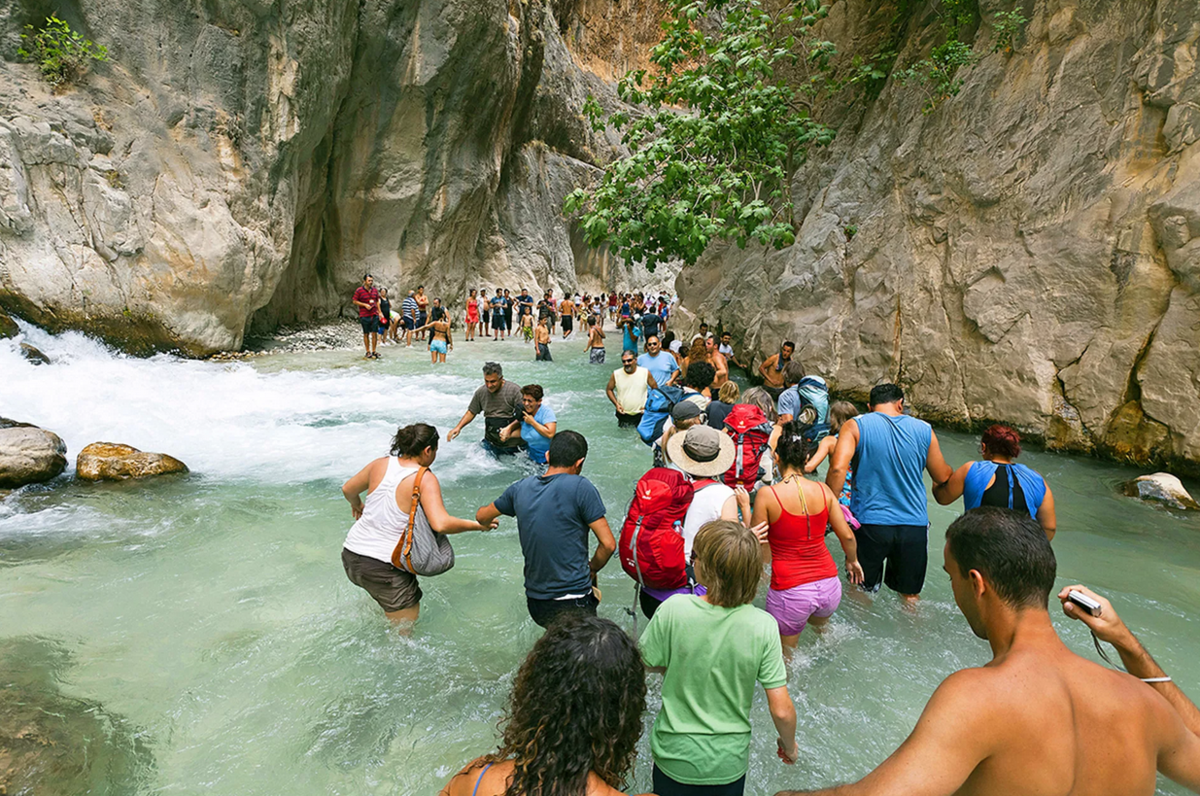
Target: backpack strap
402, 555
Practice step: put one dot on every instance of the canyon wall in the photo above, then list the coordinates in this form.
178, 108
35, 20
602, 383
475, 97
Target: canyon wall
1029, 251
239, 164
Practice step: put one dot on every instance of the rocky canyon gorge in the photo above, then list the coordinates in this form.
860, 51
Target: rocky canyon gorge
1029, 251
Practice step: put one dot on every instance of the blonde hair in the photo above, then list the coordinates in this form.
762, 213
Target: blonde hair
757, 396
729, 392
728, 562
839, 413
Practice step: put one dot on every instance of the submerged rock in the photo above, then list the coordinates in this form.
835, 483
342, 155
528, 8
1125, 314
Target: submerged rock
28, 454
110, 461
53, 743
34, 354
1161, 487
8, 327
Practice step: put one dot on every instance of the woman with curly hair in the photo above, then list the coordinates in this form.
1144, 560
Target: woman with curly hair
574, 717
999, 481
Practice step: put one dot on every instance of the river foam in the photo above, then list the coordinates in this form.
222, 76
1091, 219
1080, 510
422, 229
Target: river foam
225, 420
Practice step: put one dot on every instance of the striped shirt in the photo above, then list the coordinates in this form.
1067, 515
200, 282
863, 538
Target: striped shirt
408, 307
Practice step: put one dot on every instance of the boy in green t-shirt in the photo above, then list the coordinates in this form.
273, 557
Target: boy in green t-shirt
712, 650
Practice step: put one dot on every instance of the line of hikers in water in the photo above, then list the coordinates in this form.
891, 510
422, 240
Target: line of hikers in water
696, 545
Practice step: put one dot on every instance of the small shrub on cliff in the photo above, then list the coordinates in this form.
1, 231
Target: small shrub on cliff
62, 54
937, 75
724, 130
1006, 27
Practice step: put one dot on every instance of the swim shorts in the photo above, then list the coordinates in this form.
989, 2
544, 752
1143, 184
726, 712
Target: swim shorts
905, 550
792, 607
437, 346
394, 589
596, 356
370, 324
628, 421
568, 324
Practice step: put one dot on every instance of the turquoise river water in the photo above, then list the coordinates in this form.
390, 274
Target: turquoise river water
211, 614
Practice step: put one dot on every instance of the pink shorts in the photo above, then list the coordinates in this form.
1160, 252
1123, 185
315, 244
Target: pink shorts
792, 607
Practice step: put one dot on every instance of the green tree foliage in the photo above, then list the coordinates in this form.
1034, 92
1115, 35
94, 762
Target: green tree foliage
1007, 26
937, 75
61, 53
728, 118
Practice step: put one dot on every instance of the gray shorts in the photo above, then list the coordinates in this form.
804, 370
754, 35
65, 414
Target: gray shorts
596, 356
394, 589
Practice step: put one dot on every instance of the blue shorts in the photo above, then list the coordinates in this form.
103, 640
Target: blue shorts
370, 324
437, 346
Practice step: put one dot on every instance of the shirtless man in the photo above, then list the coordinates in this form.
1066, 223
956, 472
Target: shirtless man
566, 308
541, 341
1038, 720
772, 369
595, 342
717, 359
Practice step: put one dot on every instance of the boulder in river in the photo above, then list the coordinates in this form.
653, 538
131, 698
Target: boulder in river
8, 327
28, 454
110, 461
34, 354
1161, 487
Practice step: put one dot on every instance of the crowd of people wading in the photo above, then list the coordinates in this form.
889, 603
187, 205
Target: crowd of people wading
727, 496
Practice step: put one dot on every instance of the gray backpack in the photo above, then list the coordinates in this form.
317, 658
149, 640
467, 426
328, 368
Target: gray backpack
421, 550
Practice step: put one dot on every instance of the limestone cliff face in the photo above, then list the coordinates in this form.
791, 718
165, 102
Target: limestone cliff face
1028, 252
241, 164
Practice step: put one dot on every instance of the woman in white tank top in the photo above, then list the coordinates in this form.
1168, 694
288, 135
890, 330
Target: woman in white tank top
388, 481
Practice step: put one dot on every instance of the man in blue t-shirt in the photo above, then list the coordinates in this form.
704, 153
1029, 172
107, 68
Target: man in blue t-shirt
889, 450
554, 514
537, 425
662, 365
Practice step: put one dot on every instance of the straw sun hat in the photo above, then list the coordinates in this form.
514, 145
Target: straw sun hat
702, 451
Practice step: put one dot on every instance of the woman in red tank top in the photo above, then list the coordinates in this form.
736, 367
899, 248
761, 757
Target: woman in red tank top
804, 578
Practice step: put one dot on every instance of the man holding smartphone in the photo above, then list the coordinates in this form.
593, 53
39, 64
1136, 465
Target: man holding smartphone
1038, 720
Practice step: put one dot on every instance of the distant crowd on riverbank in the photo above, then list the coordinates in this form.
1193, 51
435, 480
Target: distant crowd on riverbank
726, 498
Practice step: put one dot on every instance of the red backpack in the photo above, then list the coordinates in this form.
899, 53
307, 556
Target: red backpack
747, 426
651, 545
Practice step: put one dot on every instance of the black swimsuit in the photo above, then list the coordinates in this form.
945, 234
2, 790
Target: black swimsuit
997, 494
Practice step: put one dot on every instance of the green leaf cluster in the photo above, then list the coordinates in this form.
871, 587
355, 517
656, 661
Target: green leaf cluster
727, 119
61, 53
1006, 27
937, 75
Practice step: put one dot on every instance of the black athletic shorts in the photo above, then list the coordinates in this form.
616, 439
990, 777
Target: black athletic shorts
543, 612
370, 324
904, 549
628, 421
568, 323
665, 786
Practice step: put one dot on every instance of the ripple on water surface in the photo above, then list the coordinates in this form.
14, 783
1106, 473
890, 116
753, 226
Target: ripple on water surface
210, 612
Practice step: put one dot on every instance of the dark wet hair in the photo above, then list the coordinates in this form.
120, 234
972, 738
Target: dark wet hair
885, 394
566, 448
788, 344
1009, 549
412, 440
367, 276
668, 338
493, 369
534, 391
792, 447
699, 376
576, 708
1002, 441
793, 372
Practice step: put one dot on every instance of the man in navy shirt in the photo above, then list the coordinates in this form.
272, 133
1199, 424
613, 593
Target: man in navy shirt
554, 514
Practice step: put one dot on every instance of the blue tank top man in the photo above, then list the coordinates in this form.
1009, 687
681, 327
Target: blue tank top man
889, 452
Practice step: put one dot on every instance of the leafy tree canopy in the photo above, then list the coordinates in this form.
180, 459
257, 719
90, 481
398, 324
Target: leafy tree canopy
728, 119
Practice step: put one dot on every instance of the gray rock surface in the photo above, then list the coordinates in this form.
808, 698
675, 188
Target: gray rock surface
28, 454
1161, 488
1028, 252
240, 165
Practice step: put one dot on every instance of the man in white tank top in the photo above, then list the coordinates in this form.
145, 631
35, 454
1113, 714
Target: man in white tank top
628, 388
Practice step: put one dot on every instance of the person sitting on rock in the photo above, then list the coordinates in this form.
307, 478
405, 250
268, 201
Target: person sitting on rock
1001, 482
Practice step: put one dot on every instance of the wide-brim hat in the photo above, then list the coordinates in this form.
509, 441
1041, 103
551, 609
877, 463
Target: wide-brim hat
701, 450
